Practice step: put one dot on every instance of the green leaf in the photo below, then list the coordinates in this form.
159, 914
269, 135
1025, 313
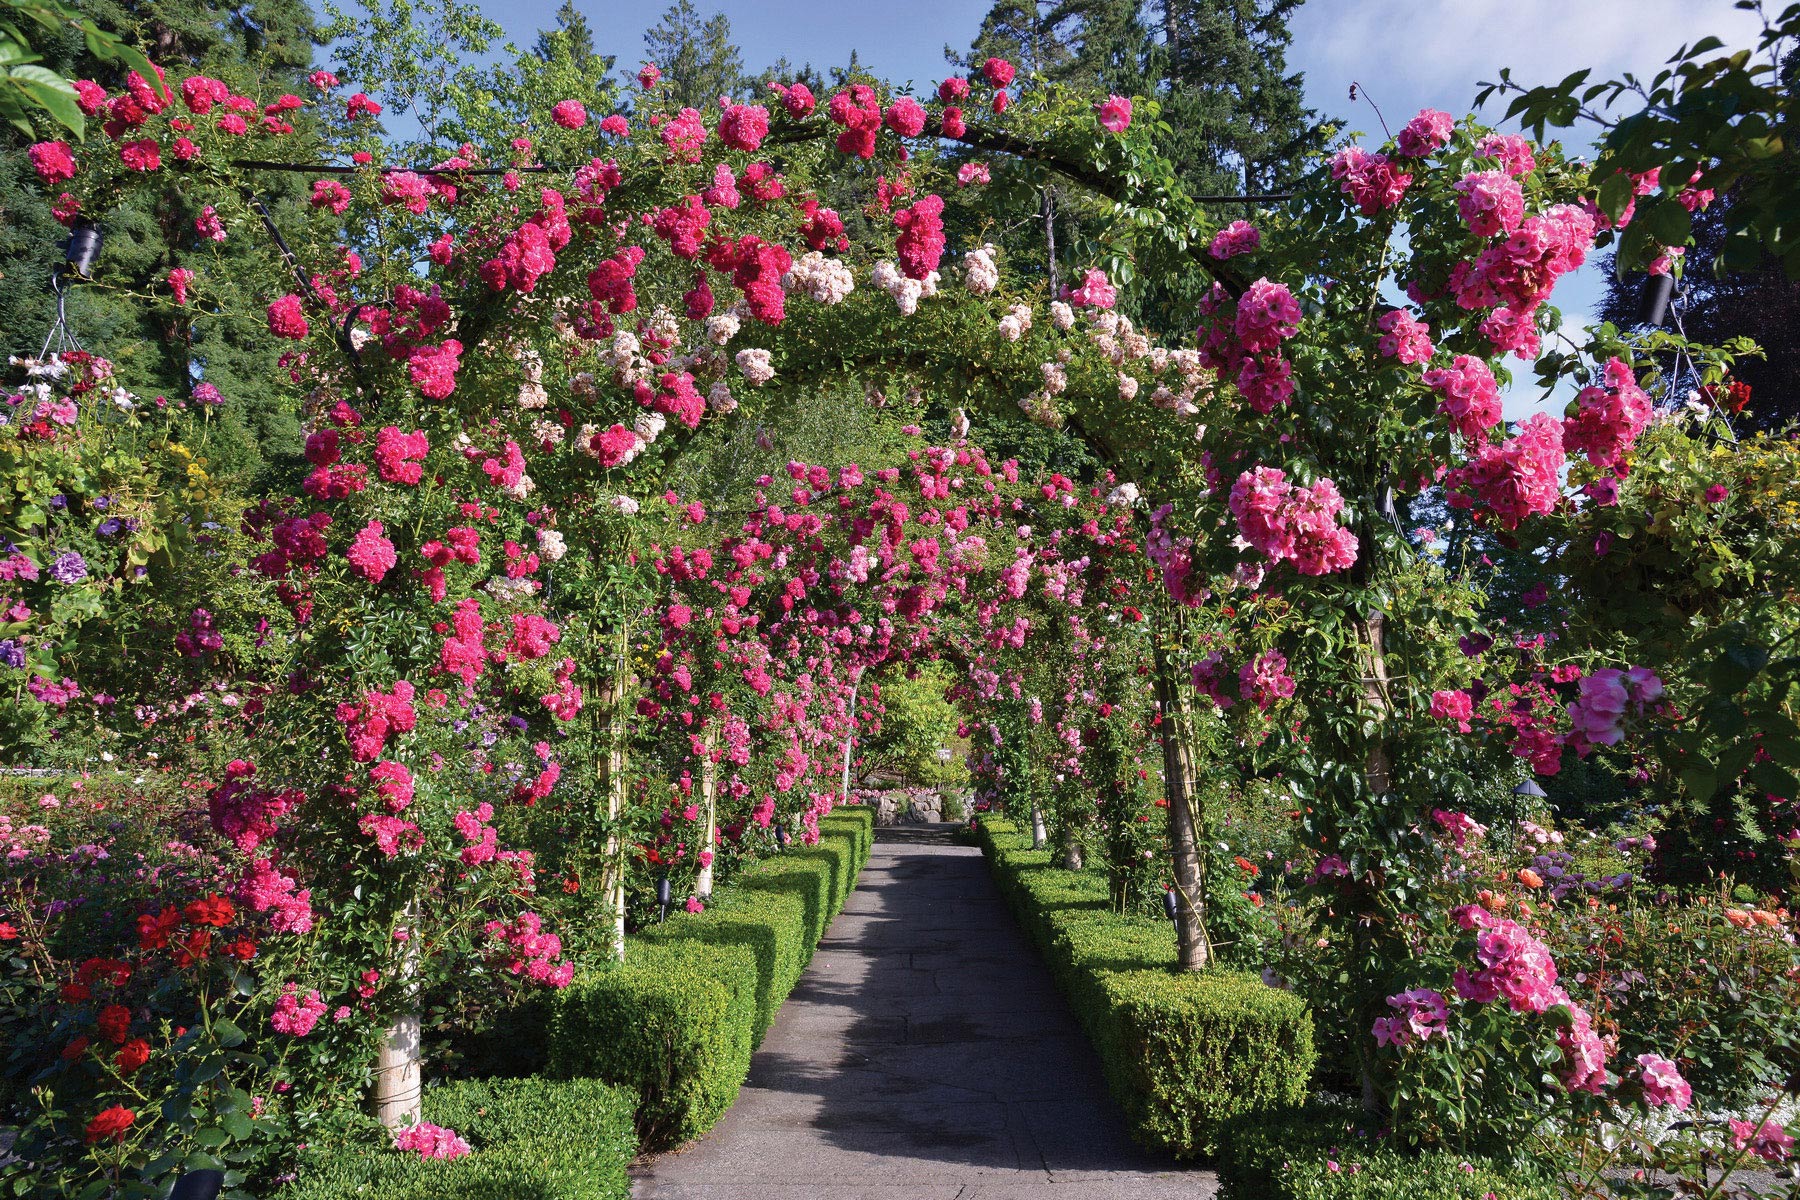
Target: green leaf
1615, 194
227, 1032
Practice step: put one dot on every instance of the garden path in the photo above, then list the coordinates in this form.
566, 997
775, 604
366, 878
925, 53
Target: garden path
925, 1055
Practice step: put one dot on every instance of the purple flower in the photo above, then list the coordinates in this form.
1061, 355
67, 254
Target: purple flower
12, 654
69, 568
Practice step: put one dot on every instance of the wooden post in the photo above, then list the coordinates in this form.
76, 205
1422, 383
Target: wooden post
398, 1086
709, 788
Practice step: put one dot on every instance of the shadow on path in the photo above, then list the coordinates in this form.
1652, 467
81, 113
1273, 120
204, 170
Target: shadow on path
925, 1054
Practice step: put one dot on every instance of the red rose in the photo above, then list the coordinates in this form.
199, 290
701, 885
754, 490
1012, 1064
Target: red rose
132, 1055
111, 1123
75, 1049
115, 1023
214, 910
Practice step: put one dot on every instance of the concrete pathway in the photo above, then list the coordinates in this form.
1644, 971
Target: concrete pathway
925, 1055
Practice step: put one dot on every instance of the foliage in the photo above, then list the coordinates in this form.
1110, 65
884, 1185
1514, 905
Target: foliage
26, 85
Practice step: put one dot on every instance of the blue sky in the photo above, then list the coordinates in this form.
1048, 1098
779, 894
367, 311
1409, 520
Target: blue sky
1406, 54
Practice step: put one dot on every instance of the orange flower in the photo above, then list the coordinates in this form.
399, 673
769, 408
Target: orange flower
1492, 901
1738, 917
1530, 878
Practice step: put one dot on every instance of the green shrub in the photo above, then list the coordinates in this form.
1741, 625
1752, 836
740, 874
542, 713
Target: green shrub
1291, 1155
533, 1139
678, 1020
1184, 1053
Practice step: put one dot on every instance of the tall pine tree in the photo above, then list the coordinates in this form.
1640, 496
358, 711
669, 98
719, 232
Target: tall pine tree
699, 60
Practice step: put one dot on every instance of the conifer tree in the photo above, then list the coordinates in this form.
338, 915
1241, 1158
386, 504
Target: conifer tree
699, 60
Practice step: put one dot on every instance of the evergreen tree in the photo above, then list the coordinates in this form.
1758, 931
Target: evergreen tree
699, 60
575, 38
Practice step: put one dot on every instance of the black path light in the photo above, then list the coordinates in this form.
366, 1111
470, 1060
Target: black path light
1531, 790
1171, 903
662, 899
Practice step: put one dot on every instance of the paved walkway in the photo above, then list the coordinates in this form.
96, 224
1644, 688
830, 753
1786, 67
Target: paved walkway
925, 1055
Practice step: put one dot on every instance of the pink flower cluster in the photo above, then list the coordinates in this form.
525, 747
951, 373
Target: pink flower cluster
1608, 417
1515, 275
1455, 705
1516, 479
265, 888
1491, 202
1404, 337
428, 1140
1264, 679
294, 1014
380, 716
744, 126
920, 243
1421, 1015
1371, 180
531, 952
1293, 523
1239, 237
243, 812
1468, 394
371, 555
1426, 133
398, 455
1606, 698
1094, 291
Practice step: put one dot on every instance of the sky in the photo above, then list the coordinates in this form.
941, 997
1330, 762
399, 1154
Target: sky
1405, 54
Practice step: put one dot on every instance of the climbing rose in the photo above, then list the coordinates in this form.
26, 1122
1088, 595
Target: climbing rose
1290, 523
954, 127
684, 135
1267, 312
433, 368
1239, 237
1468, 394
570, 114
905, 117
1095, 291
920, 245
1491, 202
799, 101
1608, 418
180, 279
1370, 180
744, 126
614, 446
1403, 337
398, 455
286, 320
998, 72
647, 75
1425, 133
370, 554
295, 1015
1454, 706
1516, 479
1264, 679
1114, 113
616, 126
141, 155
53, 161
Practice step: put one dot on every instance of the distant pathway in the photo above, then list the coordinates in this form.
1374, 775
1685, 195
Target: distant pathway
925, 1055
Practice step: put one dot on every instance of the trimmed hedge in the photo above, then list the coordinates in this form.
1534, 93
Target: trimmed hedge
1292, 1155
533, 1139
678, 1020
1184, 1053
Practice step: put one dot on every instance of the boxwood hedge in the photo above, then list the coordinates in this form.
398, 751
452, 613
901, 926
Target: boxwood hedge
533, 1139
1184, 1053
678, 1020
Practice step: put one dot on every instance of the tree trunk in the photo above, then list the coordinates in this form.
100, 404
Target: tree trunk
1049, 209
1074, 855
1193, 948
1039, 835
